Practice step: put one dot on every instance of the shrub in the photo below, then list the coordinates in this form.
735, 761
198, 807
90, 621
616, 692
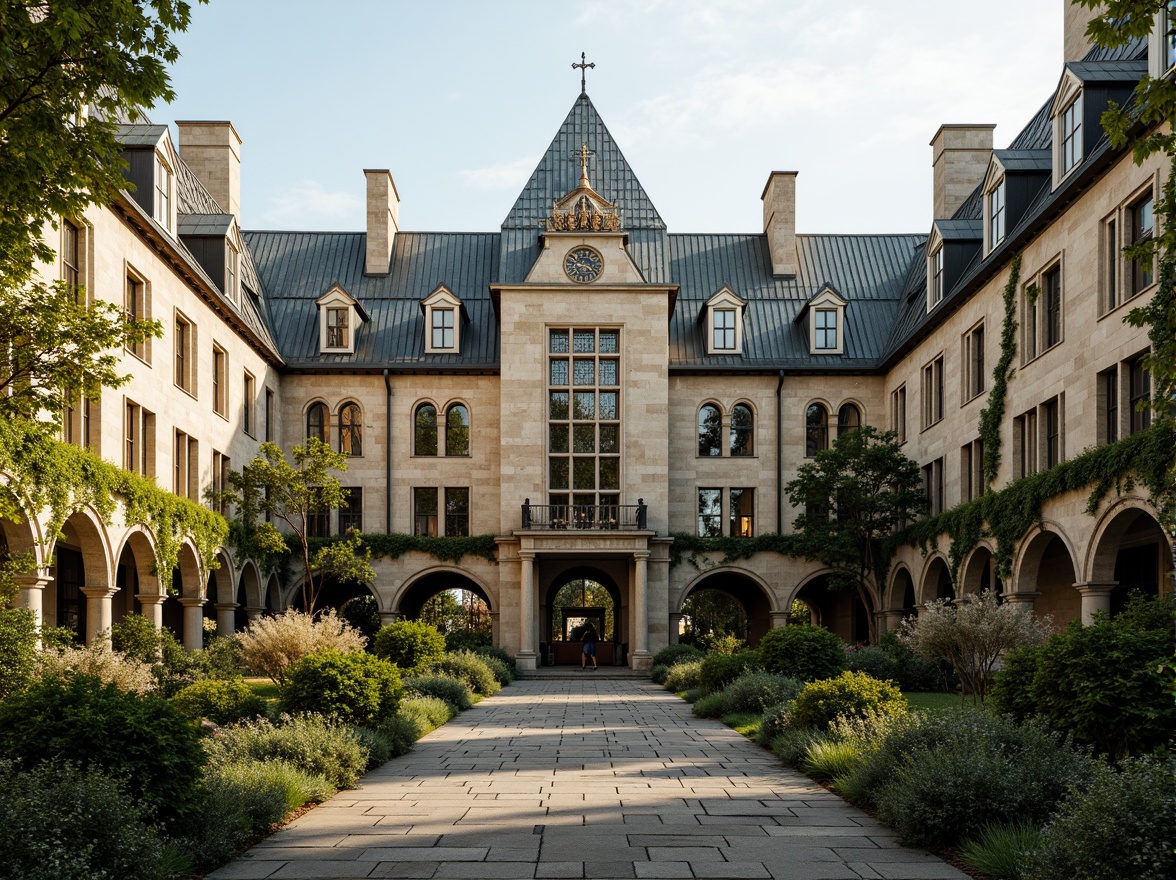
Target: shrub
272, 644
18, 649
429, 712
973, 635
491, 651
831, 759
466, 641
793, 745
503, 674
914, 674
139, 738
221, 702
362, 614
245, 798
60, 822
219, 659
805, 652
401, 732
329, 750
380, 745
1121, 826
411, 644
354, 688
137, 637
875, 662
673, 654
454, 691
96, 661
963, 770
1103, 684
1012, 685
776, 720
728, 643
709, 706
1001, 850
851, 694
683, 676
756, 691
471, 669
692, 695
719, 670
657, 674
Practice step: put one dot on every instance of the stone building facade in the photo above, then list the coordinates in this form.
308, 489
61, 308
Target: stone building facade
583, 383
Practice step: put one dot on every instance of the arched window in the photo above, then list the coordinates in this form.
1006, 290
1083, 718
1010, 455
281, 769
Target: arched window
816, 430
710, 430
425, 435
351, 429
849, 418
457, 430
316, 421
741, 430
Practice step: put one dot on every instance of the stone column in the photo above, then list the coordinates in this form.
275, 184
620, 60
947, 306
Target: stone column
226, 618
152, 605
641, 658
32, 595
1025, 598
193, 624
675, 627
1096, 596
252, 612
891, 620
779, 618
99, 613
388, 617
495, 632
526, 658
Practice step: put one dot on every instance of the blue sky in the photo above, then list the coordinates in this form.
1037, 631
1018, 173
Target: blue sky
460, 100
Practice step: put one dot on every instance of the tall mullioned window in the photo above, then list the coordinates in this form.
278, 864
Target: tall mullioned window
1072, 135
584, 416
996, 216
724, 330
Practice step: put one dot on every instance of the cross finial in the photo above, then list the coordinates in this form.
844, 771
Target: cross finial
584, 65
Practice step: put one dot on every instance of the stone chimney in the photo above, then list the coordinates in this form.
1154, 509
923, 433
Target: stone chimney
960, 155
383, 220
779, 198
213, 151
1075, 43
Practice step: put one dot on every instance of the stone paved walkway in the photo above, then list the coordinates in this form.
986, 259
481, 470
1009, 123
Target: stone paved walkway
592, 779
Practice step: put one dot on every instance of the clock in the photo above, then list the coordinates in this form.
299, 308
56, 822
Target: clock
583, 264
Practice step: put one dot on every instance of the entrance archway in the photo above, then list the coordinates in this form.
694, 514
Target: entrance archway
936, 581
579, 592
750, 596
413, 598
978, 573
1133, 551
839, 611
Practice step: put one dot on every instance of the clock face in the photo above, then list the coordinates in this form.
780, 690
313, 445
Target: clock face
583, 264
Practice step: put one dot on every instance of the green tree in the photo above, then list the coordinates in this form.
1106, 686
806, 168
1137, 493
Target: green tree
855, 496
68, 71
444, 613
270, 490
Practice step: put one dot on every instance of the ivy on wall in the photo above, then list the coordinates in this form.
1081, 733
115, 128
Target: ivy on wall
689, 548
1008, 515
47, 475
443, 549
993, 413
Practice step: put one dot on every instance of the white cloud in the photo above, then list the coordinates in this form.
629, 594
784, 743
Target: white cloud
310, 205
501, 176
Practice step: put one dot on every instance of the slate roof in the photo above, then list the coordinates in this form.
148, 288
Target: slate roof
204, 224
882, 277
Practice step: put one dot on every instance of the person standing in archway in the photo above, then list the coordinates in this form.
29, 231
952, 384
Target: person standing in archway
589, 638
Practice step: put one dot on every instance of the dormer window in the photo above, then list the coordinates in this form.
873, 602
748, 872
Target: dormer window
163, 193
996, 215
826, 322
338, 328
724, 323
232, 264
339, 317
444, 316
1071, 132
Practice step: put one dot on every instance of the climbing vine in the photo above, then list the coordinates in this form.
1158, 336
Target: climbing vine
993, 413
690, 548
44, 474
1008, 515
443, 549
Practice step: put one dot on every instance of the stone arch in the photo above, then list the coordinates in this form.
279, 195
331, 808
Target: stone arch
249, 598
753, 594
839, 611
978, 571
220, 594
900, 588
936, 582
22, 536
1045, 570
1128, 551
183, 608
609, 575
82, 569
845, 415
136, 577
425, 584
273, 594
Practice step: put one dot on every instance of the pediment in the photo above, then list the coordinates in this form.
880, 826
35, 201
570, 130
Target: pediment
1068, 88
444, 298
336, 296
725, 296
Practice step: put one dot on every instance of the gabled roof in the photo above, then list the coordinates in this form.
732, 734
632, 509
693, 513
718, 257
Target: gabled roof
1108, 71
204, 224
1024, 160
139, 135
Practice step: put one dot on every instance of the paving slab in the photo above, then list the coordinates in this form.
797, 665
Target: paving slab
597, 778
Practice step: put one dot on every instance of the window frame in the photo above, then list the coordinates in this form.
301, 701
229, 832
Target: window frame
184, 359
137, 307
220, 381
323, 431
973, 374
1070, 131
741, 437
351, 429
1141, 279
351, 514
932, 392
451, 446
741, 522
723, 330
249, 404
995, 203
448, 341
716, 450
710, 517
898, 413
826, 337
417, 429
163, 199
232, 271
935, 289
816, 434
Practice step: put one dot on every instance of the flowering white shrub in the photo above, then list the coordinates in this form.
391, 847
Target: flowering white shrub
272, 644
98, 661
